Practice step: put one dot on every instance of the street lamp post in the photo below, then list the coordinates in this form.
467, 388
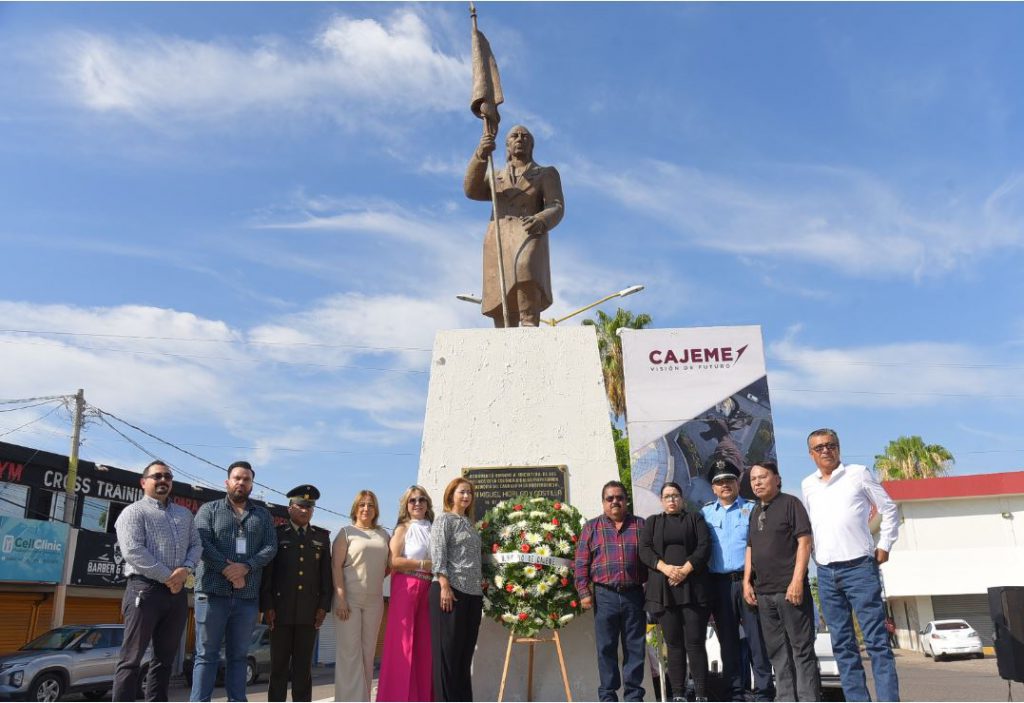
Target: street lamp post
476, 300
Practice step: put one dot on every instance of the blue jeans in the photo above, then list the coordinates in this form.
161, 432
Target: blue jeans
227, 621
851, 587
620, 616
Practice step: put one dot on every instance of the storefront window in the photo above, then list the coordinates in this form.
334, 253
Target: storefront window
13, 499
94, 514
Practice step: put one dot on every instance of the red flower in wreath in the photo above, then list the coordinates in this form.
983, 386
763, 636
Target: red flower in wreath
523, 616
555, 522
573, 603
558, 506
509, 587
565, 582
518, 507
524, 548
574, 539
495, 548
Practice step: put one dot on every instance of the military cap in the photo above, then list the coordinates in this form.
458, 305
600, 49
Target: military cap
721, 467
304, 494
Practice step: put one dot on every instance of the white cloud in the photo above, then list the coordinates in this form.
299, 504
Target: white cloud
352, 68
841, 218
897, 375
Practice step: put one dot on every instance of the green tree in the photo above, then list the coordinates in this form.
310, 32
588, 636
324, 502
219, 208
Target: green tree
609, 346
910, 457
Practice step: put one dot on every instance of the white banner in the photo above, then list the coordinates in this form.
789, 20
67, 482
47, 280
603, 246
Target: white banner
693, 395
528, 558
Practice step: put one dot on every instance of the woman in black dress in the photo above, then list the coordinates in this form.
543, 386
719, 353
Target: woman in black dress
675, 546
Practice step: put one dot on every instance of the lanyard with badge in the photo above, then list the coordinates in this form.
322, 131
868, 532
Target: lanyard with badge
241, 543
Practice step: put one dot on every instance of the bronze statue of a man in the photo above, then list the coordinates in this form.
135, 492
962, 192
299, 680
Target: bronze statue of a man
529, 203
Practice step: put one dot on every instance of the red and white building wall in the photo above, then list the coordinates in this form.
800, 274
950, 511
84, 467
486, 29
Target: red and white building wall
959, 535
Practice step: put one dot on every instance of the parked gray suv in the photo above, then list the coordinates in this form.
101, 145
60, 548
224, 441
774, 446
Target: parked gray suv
73, 658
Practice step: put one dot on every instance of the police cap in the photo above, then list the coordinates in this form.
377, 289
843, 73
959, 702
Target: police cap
304, 495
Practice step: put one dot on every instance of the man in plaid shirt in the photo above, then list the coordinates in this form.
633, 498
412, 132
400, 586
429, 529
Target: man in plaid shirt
609, 579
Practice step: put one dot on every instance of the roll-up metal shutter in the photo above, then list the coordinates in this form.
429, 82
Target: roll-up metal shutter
17, 612
972, 607
92, 611
326, 647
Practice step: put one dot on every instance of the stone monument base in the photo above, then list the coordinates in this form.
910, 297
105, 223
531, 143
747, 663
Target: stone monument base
523, 397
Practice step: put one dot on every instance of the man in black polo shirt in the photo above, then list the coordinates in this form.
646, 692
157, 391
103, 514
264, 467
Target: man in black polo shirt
775, 581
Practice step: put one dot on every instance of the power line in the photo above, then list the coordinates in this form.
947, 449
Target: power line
104, 414
32, 400
32, 422
26, 407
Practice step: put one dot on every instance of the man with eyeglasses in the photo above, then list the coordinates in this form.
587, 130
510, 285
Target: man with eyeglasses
775, 581
839, 499
728, 519
295, 595
161, 547
609, 579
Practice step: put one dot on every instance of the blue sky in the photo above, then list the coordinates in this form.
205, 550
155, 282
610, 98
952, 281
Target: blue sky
274, 190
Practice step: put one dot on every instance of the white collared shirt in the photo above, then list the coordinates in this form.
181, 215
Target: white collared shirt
839, 510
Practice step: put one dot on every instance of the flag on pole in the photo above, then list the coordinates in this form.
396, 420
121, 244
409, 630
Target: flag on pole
487, 93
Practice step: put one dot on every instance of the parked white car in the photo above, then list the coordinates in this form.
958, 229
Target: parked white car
944, 638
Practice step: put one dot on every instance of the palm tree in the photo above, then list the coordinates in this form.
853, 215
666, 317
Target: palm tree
610, 347
910, 457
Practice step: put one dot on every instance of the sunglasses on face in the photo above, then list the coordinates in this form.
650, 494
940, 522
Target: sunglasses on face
615, 499
417, 501
826, 446
161, 477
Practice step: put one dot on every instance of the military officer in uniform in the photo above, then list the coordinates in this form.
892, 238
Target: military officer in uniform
728, 518
295, 596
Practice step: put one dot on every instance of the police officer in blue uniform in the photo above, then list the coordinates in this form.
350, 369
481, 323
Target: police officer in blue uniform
728, 518
295, 596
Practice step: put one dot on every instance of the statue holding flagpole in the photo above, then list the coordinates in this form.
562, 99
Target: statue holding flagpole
526, 201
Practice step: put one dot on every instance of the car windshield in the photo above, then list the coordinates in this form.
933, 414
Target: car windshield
952, 626
56, 639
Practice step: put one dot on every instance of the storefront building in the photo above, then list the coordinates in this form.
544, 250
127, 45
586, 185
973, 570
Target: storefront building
35, 530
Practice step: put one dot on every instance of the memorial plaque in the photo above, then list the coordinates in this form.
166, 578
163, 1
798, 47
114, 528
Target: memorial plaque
494, 484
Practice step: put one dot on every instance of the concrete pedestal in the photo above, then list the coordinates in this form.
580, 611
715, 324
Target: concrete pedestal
522, 397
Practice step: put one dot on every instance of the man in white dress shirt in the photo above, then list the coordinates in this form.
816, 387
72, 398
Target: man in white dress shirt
839, 498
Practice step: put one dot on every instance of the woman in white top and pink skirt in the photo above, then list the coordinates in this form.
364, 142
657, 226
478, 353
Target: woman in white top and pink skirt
405, 667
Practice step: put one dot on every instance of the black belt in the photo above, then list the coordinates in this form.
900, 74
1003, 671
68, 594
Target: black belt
732, 576
140, 577
848, 562
619, 588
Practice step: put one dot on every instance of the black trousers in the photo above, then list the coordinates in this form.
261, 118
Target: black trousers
685, 628
291, 656
151, 613
731, 611
453, 638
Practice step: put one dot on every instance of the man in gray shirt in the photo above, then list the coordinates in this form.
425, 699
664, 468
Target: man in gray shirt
161, 547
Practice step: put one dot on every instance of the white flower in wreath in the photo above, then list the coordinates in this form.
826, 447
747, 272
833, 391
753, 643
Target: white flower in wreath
501, 505
539, 621
565, 618
506, 531
530, 571
543, 588
537, 500
499, 581
543, 550
563, 571
508, 617
519, 591
564, 548
533, 538
516, 514
552, 579
538, 514
522, 525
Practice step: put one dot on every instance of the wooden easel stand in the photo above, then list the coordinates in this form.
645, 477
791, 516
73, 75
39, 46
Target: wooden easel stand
531, 642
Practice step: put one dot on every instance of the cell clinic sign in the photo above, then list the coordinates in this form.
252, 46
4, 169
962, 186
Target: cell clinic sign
98, 560
493, 484
32, 550
694, 396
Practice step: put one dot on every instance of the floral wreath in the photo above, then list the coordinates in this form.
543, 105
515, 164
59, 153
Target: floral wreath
532, 543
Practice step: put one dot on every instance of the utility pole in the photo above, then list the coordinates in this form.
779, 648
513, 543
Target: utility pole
70, 504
